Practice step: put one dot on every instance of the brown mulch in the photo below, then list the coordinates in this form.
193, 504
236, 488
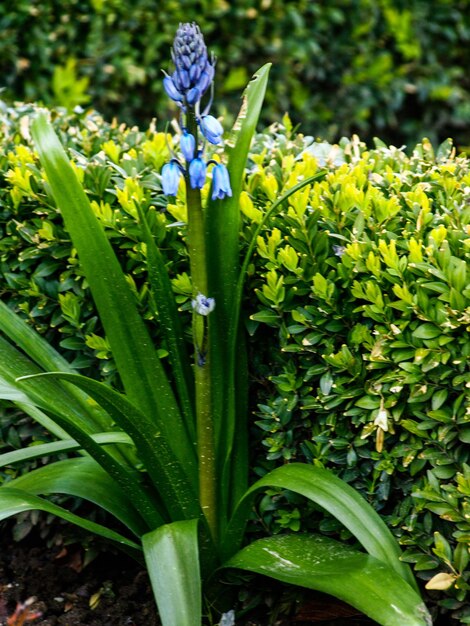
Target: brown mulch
112, 590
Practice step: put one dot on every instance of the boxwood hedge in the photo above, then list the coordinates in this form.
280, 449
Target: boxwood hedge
365, 279
357, 309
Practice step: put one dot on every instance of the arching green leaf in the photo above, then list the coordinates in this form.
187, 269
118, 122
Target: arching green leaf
84, 478
139, 366
326, 565
14, 501
335, 496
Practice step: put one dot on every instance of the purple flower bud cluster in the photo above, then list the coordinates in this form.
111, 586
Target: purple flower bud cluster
194, 70
193, 75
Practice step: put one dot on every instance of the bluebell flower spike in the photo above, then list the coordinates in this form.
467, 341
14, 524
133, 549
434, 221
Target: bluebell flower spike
220, 182
171, 175
192, 77
194, 69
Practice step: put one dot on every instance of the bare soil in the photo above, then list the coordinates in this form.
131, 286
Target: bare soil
112, 591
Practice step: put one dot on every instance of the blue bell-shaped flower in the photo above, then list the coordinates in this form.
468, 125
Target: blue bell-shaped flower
220, 182
171, 89
211, 128
171, 175
197, 173
187, 145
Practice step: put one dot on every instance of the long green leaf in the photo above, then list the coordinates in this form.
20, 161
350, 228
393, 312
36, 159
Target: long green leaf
177, 493
170, 323
25, 337
41, 418
223, 261
46, 422
126, 476
11, 392
172, 558
223, 217
235, 462
14, 501
139, 366
83, 478
58, 447
326, 565
335, 496
43, 393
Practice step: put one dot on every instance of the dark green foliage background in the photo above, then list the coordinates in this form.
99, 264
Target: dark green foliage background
395, 69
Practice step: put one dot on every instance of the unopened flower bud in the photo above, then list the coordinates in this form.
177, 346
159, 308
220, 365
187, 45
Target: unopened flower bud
194, 71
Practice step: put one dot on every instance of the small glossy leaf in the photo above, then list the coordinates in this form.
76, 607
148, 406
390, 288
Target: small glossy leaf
441, 582
461, 557
172, 558
368, 402
464, 435
326, 383
427, 331
438, 399
266, 317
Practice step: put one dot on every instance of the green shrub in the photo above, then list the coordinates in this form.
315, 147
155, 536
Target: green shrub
39, 266
357, 304
393, 69
365, 280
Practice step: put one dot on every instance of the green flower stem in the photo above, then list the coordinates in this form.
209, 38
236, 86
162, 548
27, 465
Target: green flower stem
202, 365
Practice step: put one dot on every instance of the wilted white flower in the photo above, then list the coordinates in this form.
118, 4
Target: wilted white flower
382, 419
